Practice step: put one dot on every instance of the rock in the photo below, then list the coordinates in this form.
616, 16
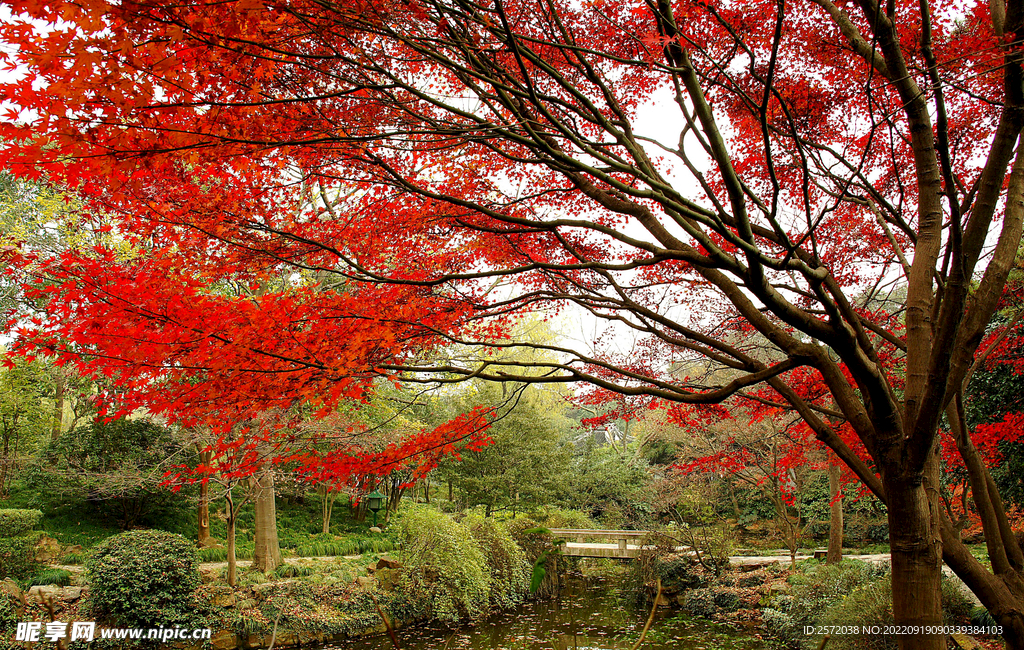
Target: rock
388, 563
210, 542
71, 594
370, 569
364, 581
388, 578
42, 593
374, 529
963, 641
222, 596
47, 549
11, 588
224, 640
74, 548
744, 568
208, 577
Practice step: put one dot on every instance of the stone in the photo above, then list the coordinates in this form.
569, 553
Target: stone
222, 596
963, 641
47, 549
388, 578
744, 568
224, 640
375, 529
364, 581
42, 593
388, 563
11, 588
71, 594
370, 569
210, 542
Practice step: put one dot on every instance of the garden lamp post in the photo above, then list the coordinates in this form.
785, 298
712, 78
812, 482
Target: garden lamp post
374, 502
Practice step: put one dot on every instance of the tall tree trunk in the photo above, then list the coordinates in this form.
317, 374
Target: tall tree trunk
59, 388
835, 522
232, 560
203, 511
267, 550
914, 538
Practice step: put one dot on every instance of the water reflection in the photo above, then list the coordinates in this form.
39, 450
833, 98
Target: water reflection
587, 616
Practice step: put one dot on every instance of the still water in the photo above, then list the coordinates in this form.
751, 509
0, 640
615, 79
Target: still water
589, 616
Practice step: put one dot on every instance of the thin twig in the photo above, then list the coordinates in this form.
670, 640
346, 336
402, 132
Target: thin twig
273, 635
650, 619
387, 623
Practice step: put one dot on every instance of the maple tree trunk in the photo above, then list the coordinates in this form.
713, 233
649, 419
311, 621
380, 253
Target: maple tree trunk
914, 539
835, 522
203, 515
232, 560
203, 511
59, 388
267, 551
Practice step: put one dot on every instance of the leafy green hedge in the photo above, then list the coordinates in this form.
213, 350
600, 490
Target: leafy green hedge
444, 564
17, 522
17, 555
144, 578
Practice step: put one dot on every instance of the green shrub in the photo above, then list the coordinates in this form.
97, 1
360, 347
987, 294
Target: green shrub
17, 556
555, 518
780, 626
726, 600
981, 618
59, 577
8, 615
444, 564
700, 602
871, 604
510, 572
144, 578
17, 522
821, 586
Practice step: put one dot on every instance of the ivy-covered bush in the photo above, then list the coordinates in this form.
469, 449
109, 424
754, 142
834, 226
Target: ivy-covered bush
144, 578
17, 556
445, 564
14, 522
510, 572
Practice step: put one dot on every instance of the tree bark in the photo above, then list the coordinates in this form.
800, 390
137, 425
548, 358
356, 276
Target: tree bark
267, 551
59, 388
915, 542
835, 523
203, 511
232, 560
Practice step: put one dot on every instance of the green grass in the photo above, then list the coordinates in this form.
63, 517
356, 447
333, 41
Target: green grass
221, 554
59, 577
346, 546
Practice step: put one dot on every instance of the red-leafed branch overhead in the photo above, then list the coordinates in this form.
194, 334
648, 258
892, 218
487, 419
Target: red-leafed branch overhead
800, 204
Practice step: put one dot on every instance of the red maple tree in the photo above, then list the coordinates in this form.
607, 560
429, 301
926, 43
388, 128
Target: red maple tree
841, 182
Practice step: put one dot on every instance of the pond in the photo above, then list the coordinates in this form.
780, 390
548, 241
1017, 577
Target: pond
589, 615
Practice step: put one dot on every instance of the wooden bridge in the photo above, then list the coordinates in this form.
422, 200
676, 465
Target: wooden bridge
617, 546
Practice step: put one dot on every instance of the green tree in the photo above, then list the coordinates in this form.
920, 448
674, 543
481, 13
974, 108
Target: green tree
527, 464
23, 416
114, 469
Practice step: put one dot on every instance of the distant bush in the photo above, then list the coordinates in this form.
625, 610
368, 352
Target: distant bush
144, 578
555, 518
17, 556
17, 522
444, 564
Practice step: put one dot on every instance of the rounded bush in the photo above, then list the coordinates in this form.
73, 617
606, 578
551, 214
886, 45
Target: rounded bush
15, 522
144, 578
726, 600
700, 602
17, 556
780, 626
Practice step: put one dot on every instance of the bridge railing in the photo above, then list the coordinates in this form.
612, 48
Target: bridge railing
623, 537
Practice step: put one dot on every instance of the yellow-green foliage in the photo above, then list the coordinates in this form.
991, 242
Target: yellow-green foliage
510, 571
444, 562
